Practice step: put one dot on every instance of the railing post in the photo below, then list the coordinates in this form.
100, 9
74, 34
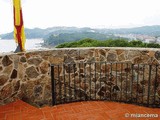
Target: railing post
149, 83
111, 81
131, 85
137, 94
126, 81
74, 81
90, 81
64, 80
69, 84
143, 85
53, 86
95, 80
59, 82
155, 86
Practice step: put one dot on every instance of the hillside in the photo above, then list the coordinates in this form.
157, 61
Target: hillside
56, 39
107, 43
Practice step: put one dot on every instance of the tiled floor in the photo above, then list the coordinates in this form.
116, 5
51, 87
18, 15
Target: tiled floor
20, 110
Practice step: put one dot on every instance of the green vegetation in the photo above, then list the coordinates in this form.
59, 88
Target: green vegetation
107, 43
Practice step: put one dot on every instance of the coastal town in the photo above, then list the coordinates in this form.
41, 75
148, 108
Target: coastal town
141, 37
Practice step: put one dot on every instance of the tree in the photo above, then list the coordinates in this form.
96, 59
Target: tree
135, 43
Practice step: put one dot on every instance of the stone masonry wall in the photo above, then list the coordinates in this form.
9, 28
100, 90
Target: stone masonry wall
26, 75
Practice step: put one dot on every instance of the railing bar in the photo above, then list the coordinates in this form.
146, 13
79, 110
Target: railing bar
64, 82
116, 81
53, 86
105, 76
155, 86
74, 82
69, 82
111, 85
126, 81
85, 79
149, 80
143, 85
100, 77
108, 74
90, 80
137, 84
131, 86
121, 82
79, 82
95, 82
59, 82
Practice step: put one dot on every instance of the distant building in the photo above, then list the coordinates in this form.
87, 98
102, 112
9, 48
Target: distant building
158, 40
150, 40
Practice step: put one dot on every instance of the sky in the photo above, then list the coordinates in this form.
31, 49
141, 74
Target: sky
82, 13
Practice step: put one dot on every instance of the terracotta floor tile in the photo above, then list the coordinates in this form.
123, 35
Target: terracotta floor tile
79, 109
117, 113
140, 111
44, 109
93, 110
9, 117
2, 116
17, 118
59, 109
48, 119
90, 117
67, 108
47, 114
152, 111
73, 118
24, 115
123, 118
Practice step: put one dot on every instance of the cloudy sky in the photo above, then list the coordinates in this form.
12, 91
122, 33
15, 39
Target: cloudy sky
82, 13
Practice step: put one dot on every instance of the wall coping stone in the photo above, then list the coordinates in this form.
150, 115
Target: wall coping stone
80, 48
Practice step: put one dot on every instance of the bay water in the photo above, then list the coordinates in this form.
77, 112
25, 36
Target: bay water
10, 45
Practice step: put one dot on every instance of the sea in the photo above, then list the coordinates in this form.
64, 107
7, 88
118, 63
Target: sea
10, 45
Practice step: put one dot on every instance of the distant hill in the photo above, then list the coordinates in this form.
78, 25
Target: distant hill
57, 35
44, 33
145, 30
65, 35
30, 34
56, 39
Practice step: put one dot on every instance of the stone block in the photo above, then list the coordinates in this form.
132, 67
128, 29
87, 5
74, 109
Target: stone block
3, 79
6, 91
6, 61
31, 72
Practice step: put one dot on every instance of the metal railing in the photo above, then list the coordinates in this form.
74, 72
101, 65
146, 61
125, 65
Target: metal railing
121, 82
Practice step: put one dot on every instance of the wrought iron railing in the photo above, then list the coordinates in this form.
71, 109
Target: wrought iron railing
121, 82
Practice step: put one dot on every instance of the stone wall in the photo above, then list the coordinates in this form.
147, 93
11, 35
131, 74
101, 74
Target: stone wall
26, 75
